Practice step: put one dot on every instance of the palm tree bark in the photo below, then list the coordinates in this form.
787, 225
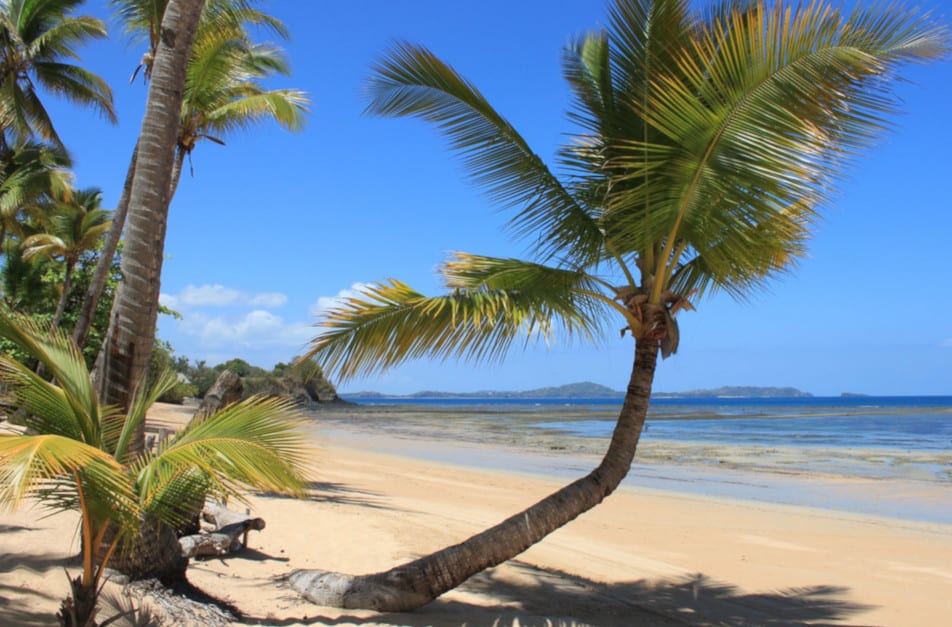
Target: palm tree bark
110, 245
129, 340
67, 288
416, 583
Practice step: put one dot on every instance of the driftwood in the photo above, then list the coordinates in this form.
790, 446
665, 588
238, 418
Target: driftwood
229, 532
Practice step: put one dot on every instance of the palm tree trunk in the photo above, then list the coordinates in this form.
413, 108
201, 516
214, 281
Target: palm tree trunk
416, 583
129, 340
176, 172
67, 287
98, 282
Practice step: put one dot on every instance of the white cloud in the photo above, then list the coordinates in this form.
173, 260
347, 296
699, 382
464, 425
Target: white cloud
215, 295
221, 296
269, 300
946, 344
255, 329
328, 302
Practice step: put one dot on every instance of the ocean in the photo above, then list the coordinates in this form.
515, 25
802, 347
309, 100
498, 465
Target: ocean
908, 423
885, 456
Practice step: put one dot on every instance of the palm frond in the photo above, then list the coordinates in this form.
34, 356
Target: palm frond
764, 111
70, 407
257, 443
30, 463
492, 303
77, 85
412, 81
144, 397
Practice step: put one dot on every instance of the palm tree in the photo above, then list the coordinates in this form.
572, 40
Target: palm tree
128, 346
74, 225
708, 140
223, 93
36, 39
78, 455
142, 19
29, 172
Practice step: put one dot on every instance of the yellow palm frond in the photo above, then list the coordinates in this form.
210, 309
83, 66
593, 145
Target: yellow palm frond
492, 303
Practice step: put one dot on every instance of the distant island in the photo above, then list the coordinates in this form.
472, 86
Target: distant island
588, 389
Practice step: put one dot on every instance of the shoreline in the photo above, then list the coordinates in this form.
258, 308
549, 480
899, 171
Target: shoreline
905, 485
644, 556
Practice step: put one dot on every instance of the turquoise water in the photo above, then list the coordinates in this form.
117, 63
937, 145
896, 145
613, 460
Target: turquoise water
921, 423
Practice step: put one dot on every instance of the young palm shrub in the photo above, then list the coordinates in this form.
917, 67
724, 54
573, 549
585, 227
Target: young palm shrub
75, 456
708, 140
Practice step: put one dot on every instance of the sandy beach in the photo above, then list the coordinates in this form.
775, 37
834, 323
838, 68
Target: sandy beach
646, 556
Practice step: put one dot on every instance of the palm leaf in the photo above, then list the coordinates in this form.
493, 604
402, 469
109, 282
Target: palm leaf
69, 408
411, 81
31, 463
493, 303
761, 116
254, 443
144, 397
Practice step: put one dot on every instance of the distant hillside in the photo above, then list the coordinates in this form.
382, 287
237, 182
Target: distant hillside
571, 390
594, 390
738, 392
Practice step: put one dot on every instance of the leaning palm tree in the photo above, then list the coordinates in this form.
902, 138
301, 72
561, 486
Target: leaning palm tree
707, 142
73, 226
77, 456
36, 41
224, 93
124, 357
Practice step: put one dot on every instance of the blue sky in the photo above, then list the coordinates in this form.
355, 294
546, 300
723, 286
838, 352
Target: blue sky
273, 225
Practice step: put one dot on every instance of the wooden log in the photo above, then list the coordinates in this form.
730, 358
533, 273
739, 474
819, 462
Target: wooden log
221, 542
227, 527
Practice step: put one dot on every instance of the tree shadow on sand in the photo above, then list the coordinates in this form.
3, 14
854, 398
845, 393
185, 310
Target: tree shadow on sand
339, 494
521, 595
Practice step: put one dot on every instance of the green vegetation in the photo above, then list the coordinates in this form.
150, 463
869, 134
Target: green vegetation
76, 456
60, 274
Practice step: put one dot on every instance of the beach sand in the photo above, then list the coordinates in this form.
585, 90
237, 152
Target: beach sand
643, 557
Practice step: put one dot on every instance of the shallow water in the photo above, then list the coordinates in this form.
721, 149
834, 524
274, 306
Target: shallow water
893, 460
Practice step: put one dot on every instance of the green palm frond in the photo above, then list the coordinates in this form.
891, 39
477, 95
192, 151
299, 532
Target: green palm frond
493, 303
287, 107
62, 37
764, 111
29, 464
412, 81
224, 89
117, 439
255, 443
37, 38
70, 407
78, 85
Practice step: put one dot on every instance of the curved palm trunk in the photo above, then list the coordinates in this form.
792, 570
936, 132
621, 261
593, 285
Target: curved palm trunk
416, 583
98, 282
128, 343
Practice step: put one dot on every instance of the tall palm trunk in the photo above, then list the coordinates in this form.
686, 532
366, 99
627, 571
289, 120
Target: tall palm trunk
98, 282
416, 583
129, 340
